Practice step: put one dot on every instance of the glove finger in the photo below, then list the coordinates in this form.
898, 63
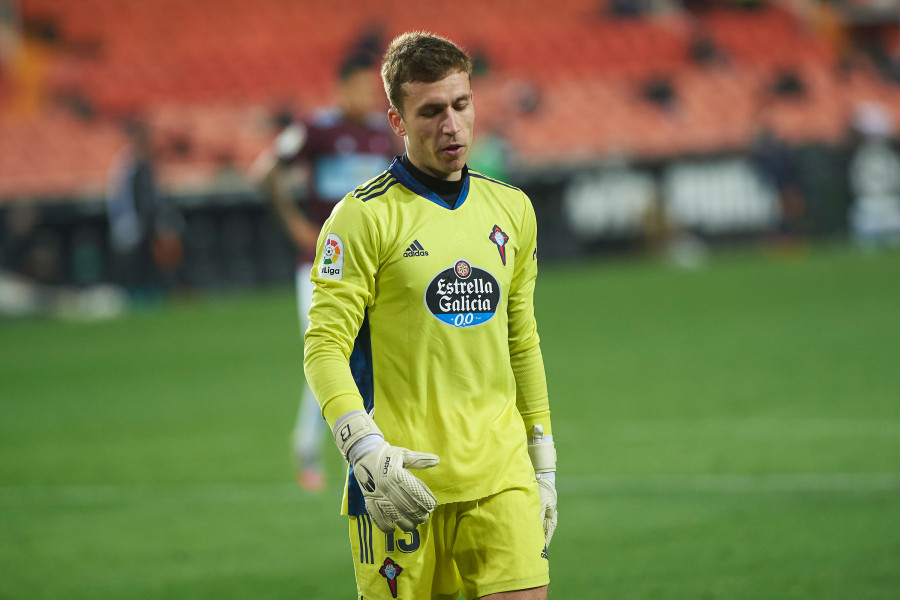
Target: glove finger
407, 525
406, 521
411, 508
416, 493
549, 528
419, 460
379, 517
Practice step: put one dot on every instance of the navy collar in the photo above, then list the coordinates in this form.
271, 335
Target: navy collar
417, 187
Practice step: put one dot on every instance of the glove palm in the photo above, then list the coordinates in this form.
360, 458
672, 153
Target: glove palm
393, 495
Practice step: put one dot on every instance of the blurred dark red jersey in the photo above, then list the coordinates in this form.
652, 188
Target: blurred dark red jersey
342, 154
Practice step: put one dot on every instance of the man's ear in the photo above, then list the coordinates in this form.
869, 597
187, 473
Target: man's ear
396, 122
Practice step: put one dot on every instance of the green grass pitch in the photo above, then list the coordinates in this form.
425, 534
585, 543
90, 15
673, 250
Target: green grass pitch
732, 432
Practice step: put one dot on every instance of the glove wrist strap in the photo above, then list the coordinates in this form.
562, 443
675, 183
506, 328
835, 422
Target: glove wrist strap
352, 428
541, 451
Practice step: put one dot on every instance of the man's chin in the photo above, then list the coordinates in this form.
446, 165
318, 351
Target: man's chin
454, 164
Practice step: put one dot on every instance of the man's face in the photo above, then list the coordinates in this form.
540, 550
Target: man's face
438, 122
360, 93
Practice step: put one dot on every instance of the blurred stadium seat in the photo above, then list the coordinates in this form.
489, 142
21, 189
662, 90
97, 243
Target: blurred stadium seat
210, 70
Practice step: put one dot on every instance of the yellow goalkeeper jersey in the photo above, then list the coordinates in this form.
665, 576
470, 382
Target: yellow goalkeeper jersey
425, 313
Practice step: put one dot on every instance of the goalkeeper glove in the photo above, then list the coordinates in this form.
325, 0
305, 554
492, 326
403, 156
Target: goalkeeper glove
543, 458
394, 496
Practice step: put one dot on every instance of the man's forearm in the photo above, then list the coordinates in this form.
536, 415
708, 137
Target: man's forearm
303, 232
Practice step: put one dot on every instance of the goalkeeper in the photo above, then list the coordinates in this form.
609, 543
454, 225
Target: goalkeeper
424, 355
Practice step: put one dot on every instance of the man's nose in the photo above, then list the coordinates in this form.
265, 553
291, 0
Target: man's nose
451, 123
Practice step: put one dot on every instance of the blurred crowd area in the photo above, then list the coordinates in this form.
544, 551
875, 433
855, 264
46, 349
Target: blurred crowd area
661, 123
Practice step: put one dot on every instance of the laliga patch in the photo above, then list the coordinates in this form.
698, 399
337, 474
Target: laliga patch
332, 266
463, 295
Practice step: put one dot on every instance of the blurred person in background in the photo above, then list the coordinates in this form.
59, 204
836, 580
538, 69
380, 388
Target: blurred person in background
31, 272
144, 228
422, 334
339, 147
874, 173
25, 59
776, 166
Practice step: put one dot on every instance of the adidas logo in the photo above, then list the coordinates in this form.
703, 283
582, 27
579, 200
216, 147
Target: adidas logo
415, 249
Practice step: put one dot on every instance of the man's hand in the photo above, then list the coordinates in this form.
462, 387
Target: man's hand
543, 459
394, 496
548, 507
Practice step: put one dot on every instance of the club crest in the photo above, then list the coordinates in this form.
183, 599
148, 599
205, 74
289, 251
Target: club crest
390, 571
498, 237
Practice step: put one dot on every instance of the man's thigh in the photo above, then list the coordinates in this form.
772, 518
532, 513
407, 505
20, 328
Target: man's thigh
483, 547
499, 544
532, 594
405, 566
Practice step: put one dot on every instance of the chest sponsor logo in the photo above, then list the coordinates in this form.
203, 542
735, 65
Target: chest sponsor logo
332, 266
463, 295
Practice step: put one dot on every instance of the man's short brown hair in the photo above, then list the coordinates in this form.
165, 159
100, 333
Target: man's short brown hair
420, 56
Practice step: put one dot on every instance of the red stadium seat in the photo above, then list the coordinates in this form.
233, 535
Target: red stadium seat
202, 68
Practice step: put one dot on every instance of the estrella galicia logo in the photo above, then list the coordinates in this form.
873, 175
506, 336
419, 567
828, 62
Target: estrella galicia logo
463, 295
390, 571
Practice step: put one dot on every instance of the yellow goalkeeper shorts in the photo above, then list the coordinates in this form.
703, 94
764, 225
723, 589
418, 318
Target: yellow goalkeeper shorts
486, 546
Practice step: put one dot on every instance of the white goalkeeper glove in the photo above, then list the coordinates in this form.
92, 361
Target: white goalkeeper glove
394, 496
543, 458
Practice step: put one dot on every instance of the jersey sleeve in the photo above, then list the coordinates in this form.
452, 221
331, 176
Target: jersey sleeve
524, 344
343, 277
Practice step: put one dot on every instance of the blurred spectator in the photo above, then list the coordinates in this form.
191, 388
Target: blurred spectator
491, 154
627, 8
340, 148
25, 56
10, 42
21, 249
776, 165
663, 238
639, 8
659, 90
524, 94
874, 178
788, 83
704, 51
144, 229
31, 265
481, 62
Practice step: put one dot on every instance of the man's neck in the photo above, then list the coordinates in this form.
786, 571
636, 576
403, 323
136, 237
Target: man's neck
448, 190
